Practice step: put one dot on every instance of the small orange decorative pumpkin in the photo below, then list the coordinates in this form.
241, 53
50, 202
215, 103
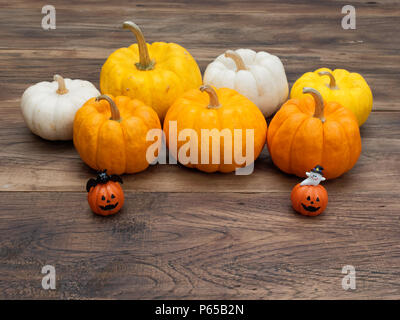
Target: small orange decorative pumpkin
306, 132
309, 200
105, 195
308, 197
211, 119
111, 134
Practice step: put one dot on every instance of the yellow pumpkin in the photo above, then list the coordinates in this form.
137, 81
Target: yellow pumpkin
156, 73
349, 89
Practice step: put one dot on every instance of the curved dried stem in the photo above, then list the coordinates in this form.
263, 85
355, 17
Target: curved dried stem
319, 103
237, 59
214, 102
62, 89
332, 81
115, 115
145, 62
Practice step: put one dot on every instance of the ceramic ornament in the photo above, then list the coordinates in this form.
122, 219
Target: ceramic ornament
314, 177
49, 108
105, 194
309, 198
259, 76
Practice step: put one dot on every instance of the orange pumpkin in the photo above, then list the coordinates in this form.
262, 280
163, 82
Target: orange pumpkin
208, 120
309, 200
306, 132
111, 134
105, 195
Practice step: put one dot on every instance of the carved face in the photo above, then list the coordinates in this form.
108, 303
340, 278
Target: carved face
106, 199
309, 200
312, 205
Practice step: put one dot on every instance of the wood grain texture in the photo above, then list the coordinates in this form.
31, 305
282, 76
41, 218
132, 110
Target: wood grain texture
304, 34
34, 164
199, 245
183, 233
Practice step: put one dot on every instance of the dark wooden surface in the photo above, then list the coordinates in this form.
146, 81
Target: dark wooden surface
182, 233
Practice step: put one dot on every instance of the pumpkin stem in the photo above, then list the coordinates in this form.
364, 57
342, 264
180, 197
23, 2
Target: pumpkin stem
332, 81
114, 110
62, 89
214, 102
237, 59
319, 103
145, 63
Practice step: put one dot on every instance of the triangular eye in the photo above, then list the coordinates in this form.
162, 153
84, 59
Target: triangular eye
112, 196
317, 199
308, 198
103, 198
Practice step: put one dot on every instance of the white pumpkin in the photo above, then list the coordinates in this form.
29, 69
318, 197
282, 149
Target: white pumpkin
258, 76
49, 108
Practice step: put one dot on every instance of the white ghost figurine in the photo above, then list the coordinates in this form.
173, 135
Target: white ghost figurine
314, 177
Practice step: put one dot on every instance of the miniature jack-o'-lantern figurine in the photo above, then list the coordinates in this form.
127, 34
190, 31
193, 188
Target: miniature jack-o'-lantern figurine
105, 195
308, 197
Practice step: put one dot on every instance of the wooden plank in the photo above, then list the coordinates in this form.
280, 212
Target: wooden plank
183, 233
209, 246
40, 65
222, 6
148, 8
206, 34
30, 163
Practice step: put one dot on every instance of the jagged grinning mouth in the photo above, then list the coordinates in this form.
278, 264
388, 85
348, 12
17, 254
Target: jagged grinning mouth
310, 208
108, 207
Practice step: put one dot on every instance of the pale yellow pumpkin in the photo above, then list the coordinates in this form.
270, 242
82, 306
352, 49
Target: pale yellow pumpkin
349, 89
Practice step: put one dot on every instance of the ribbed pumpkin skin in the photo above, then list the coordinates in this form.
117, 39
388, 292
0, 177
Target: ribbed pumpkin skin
119, 147
297, 141
318, 197
175, 72
236, 112
107, 190
353, 91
